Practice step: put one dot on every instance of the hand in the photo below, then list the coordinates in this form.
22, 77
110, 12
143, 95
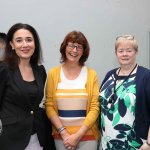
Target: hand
64, 134
71, 142
144, 147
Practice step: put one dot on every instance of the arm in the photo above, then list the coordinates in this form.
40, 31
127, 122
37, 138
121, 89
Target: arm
50, 100
44, 73
3, 78
50, 104
145, 146
148, 139
57, 123
74, 139
93, 104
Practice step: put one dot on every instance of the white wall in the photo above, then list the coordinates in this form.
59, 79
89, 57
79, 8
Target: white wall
100, 20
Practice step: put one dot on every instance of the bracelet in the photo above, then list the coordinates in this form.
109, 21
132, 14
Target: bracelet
148, 143
60, 129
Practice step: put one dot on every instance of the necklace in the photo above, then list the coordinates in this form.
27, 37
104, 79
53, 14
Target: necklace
112, 101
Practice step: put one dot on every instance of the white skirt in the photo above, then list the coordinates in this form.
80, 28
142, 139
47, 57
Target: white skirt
34, 143
83, 145
0, 127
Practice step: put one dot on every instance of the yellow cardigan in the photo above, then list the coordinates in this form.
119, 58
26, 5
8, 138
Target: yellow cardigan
92, 87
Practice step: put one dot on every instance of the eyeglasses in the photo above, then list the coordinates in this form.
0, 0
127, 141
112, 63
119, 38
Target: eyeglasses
128, 37
72, 46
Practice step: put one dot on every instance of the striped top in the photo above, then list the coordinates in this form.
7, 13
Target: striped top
71, 98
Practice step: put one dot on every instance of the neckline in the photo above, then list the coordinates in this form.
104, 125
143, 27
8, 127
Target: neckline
122, 77
29, 81
129, 73
63, 75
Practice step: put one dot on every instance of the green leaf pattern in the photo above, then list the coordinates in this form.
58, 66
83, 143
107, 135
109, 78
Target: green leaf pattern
117, 131
116, 119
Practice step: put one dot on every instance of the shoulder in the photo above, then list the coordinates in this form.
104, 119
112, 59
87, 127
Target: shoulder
54, 70
143, 72
3, 67
108, 74
4, 71
143, 69
40, 68
54, 74
111, 71
91, 71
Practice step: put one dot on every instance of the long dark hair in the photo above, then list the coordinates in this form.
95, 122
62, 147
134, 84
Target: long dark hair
11, 57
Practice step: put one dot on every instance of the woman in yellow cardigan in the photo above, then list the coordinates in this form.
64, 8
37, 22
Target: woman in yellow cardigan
72, 92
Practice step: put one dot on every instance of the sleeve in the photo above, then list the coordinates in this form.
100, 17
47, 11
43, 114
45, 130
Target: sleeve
50, 99
147, 93
44, 73
93, 111
3, 79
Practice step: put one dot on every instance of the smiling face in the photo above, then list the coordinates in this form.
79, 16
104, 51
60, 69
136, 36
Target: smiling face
23, 44
74, 47
126, 53
74, 51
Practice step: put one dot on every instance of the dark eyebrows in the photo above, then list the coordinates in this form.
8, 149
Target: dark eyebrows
29, 37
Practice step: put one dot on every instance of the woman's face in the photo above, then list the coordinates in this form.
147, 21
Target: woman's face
126, 53
23, 44
74, 51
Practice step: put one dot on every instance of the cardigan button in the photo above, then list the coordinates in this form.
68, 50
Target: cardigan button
31, 112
